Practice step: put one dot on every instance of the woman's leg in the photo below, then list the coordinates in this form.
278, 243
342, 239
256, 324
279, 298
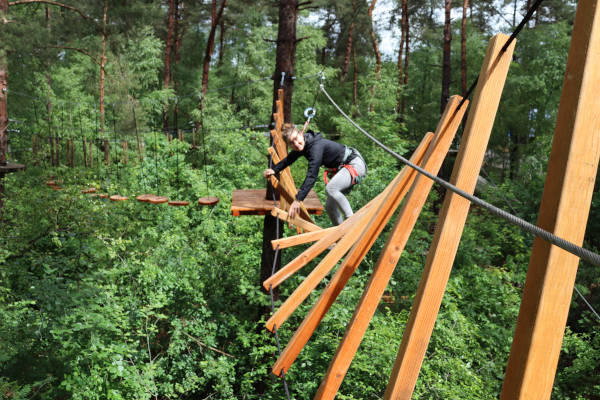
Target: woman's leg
336, 200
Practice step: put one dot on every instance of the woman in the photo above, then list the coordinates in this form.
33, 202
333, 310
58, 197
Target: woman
350, 166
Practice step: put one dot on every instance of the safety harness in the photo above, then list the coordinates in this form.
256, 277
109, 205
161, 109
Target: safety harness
350, 154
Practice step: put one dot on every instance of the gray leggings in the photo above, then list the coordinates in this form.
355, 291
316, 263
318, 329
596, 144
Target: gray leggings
341, 184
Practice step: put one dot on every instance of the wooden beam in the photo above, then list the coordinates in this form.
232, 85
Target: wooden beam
392, 251
299, 222
451, 222
564, 211
303, 238
399, 187
313, 251
279, 144
288, 197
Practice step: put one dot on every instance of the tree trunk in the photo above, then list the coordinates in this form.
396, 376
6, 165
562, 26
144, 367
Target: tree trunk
284, 63
106, 152
348, 46
177, 56
406, 51
3, 112
400, 69
375, 48
84, 148
446, 65
125, 152
167, 70
221, 41
354, 84
102, 65
210, 43
463, 49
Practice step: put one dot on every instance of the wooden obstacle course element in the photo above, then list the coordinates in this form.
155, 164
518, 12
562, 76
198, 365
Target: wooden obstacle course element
403, 182
451, 221
299, 222
208, 201
103, 195
564, 210
254, 202
388, 259
303, 238
178, 203
89, 190
118, 197
157, 199
10, 168
143, 198
283, 192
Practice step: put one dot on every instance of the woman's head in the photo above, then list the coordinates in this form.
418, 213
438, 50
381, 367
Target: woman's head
293, 136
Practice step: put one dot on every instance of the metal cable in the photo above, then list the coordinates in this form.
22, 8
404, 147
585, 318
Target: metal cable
572, 248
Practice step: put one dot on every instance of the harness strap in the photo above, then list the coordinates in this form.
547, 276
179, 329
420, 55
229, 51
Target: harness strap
353, 173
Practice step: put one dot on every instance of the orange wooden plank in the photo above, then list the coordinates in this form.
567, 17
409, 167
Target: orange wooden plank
313, 251
392, 251
299, 222
564, 211
283, 192
303, 238
400, 186
451, 222
255, 202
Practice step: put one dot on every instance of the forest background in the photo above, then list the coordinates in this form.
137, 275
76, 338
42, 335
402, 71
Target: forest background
103, 300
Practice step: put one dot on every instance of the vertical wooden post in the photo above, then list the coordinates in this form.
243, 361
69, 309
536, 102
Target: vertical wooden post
451, 222
392, 251
106, 152
564, 211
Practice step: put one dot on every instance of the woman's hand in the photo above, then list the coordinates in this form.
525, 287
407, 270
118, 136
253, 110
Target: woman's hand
268, 172
294, 209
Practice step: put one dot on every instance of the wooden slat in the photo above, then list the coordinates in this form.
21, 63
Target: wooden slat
392, 251
279, 144
299, 222
399, 186
255, 202
451, 222
284, 178
313, 251
303, 238
289, 198
564, 211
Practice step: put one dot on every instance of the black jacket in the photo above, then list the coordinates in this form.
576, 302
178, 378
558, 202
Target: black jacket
318, 151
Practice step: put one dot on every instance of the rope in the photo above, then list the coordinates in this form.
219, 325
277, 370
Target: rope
572, 248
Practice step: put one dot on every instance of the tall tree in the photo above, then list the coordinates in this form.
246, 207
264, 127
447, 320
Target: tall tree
167, 68
403, 21
344, 73
210, 43
446, 64
463, 49
3, 86
375, 46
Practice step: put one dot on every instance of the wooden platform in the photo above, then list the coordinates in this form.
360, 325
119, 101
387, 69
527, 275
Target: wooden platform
253, 202
11, 167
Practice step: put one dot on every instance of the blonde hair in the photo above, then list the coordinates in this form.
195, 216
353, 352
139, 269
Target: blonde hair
288, 130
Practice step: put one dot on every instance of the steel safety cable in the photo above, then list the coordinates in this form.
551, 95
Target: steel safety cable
572, 248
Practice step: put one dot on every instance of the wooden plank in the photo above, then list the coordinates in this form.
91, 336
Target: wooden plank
288, 197
400, 186
254, 202
299, 222
564, 211
303, 238
284, 178
279, 144
451, 222
286, 174
313, 251
392, 251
